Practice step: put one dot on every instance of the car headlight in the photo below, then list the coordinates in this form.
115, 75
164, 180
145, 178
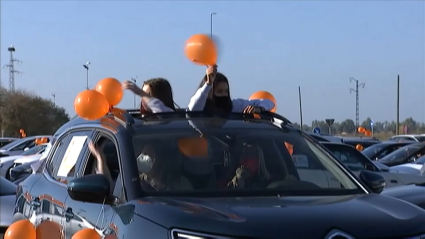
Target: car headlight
182, 234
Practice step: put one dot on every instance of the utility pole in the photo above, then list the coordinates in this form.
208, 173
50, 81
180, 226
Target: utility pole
301, 107
54, 98
86, 66
211, 23
397, 125
134, 96
362, 85
12, 69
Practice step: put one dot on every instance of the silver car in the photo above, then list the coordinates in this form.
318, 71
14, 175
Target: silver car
7, 204
19, 146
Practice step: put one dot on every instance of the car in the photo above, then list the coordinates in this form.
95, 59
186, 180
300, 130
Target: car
217, 176
324, 137
407, 154
19, 146
380, 150
7, 204
417, 167
413, 193
414, 137
365, 142
7, 163
357, 162
6, 140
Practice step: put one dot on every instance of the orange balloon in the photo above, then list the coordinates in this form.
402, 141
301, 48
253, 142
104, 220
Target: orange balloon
86, 233
290, 148
44, 140
21, 131
112, 90
49, 230
193, 147
201, 49
359, 147
37, 141
91, 105
361, 129
260, 95
21, 229
24, 135
368, 133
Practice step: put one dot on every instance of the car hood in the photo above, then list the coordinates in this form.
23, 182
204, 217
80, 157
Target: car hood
382, 167
28, 158
404, 191
9, 158
277, 216
7, 204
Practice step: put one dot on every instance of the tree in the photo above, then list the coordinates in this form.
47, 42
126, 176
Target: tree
23, 110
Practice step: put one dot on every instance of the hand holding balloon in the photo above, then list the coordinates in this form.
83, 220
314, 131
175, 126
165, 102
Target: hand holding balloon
211, 73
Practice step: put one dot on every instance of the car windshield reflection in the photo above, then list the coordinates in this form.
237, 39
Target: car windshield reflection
213, 159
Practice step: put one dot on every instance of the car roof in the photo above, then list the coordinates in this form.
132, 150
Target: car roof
178, 119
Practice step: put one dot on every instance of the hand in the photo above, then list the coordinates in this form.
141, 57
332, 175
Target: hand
253, 110
129, 85
211, 72
93, 149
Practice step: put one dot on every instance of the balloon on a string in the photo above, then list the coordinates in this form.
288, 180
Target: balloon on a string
368, 133
112, 90
359, 147
86, 233
49, 230
201, 50
260, 95
21, 229
91, 105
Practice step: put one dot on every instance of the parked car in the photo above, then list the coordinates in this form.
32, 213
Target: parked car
6, 140
407, 154
19, 146
377, 151
7, 204
236, 181
7, 163
324, 137
413, 193
363, 141
417, 167
414, 137
357, 162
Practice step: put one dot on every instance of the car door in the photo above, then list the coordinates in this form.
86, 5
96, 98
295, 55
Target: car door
51, 190
93, 215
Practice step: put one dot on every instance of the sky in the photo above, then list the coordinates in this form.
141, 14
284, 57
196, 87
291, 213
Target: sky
275, 46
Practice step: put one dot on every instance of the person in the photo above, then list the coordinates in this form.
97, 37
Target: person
100, 166
160, 169
156, 94
213, 96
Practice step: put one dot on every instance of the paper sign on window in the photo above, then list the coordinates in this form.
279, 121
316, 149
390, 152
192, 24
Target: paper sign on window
71, 155
300, 161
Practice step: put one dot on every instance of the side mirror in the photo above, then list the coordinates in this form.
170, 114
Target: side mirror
92, 188
373, 181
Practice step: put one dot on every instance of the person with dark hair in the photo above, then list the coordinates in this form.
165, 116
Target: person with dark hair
156, 94
213, 96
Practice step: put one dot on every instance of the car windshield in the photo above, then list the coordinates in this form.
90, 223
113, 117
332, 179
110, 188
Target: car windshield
372, 150
13, 144
420, 138
401, 153
245, 159
34, 150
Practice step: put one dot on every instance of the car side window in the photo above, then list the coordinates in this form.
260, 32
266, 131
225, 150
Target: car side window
56, 156
70, 156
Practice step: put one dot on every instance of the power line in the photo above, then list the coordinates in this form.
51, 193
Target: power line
362, 85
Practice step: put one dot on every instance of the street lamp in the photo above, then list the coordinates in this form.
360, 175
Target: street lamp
54, 98
87, 70
134, 97
211, 23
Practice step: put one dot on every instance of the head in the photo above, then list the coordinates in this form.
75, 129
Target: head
159, 88
219, 97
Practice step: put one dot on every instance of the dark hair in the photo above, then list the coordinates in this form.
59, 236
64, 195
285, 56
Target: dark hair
160, 88
211, 105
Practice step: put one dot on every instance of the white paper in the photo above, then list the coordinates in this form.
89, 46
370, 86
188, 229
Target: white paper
71, 155
300, 160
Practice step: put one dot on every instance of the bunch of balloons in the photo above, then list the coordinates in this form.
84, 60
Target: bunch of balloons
46, 230
364, 131
39, 141
23, 134
94, 104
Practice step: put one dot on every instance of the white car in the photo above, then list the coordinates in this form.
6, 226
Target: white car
417, 167
7, 163
17, 147
414, 137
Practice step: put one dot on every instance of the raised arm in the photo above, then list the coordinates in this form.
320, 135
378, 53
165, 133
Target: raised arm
198, 100
152, 103
240, 104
